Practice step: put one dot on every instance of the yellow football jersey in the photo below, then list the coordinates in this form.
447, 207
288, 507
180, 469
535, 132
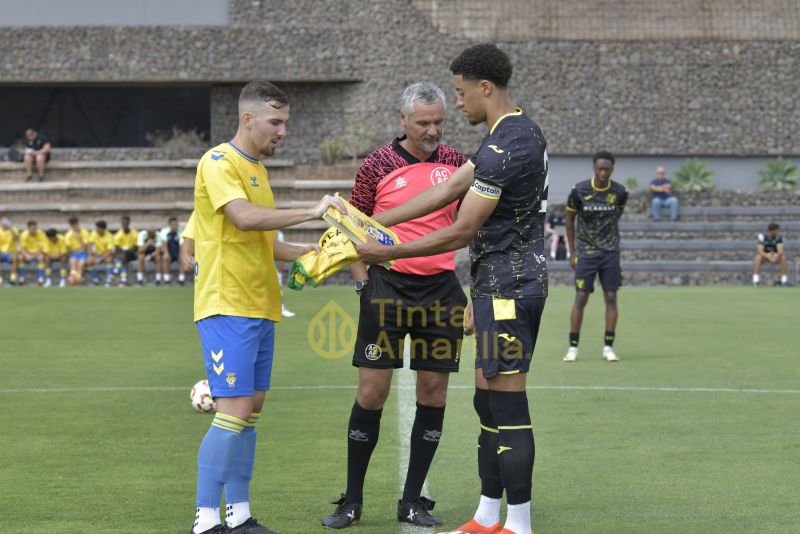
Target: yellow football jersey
8, 240
235, 270
32, 243
126, 241
103, 244
57, 248
77, 241
188, 230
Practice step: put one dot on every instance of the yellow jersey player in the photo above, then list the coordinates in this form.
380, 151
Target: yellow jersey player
237, 299
125, 241
102, 252
8, 248
31, 250
77, 240
55, 252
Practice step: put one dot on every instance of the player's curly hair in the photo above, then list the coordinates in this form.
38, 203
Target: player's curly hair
264, 91
483, 62
603, 154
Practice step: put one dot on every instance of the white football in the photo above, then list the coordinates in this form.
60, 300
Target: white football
201, 398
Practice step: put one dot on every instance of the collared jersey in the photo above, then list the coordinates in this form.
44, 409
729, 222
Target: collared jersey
8, 240
77, 241
390, 176
32, 243
770, 244
57, 248
126, 241
234, 270
598, 211
103, 244
508, 251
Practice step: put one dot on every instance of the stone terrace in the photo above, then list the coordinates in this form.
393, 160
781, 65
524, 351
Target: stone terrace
713, 242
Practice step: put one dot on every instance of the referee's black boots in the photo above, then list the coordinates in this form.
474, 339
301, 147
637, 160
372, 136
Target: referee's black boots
417, 512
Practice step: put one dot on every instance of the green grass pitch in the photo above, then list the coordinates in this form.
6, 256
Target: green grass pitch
696, 430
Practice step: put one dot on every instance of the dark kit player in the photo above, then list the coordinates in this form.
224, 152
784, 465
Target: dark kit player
598, 204
502, 217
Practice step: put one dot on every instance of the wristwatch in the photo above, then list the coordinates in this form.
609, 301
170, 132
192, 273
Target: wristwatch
360, 285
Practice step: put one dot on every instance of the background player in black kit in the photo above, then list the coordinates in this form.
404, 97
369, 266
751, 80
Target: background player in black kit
504, 186
598, 204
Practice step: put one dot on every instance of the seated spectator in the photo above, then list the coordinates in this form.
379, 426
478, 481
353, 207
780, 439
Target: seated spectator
171, 241
555, 228
102, 252
770, 249
55, 252
126, 242
37, 150
77, 240
662, 196
9, 237
31, 250
149, 251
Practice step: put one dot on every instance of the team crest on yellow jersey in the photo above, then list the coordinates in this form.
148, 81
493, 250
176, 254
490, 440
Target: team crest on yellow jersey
231, 380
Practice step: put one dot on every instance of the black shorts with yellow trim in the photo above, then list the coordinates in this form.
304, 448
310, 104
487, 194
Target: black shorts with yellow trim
429, 308
599, 263
505, 333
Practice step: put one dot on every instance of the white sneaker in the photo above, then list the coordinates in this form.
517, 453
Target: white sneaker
286, 313
609, 355
572, 354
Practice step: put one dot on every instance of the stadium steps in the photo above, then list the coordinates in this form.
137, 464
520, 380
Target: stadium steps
718, 213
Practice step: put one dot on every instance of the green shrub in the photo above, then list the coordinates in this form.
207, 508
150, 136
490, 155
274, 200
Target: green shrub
780, 175
632, 183
331, 151
694, 175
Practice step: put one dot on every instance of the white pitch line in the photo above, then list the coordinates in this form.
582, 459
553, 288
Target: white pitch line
406, 412
410, 386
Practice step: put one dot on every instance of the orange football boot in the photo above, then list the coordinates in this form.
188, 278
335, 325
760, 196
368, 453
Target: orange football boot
473, 527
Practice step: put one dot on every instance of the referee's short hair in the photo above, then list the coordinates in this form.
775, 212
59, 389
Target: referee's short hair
263, 91
422, 92
773, 226
483, 62
603, 154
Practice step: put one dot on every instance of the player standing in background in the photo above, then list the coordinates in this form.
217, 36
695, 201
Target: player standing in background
55, 251
9, 248
598, 204
125, 241
31, 249
102, 251
77, 240
388, 177
502, 218
237, 298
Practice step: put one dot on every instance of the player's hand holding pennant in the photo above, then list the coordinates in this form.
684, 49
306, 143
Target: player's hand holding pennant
337, 246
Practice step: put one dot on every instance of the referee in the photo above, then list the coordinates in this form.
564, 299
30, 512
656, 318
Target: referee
420, 297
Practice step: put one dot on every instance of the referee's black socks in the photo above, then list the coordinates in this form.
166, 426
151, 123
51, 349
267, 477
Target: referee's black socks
362, 436
515, 447
488, 467
425, 436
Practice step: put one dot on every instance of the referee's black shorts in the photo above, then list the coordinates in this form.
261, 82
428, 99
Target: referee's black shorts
428, 308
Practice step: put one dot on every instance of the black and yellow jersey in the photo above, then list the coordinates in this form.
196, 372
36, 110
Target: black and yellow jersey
598, 211
508, 251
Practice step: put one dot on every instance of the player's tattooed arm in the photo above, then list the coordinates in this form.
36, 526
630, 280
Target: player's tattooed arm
431, 199
290, 252
250, 217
